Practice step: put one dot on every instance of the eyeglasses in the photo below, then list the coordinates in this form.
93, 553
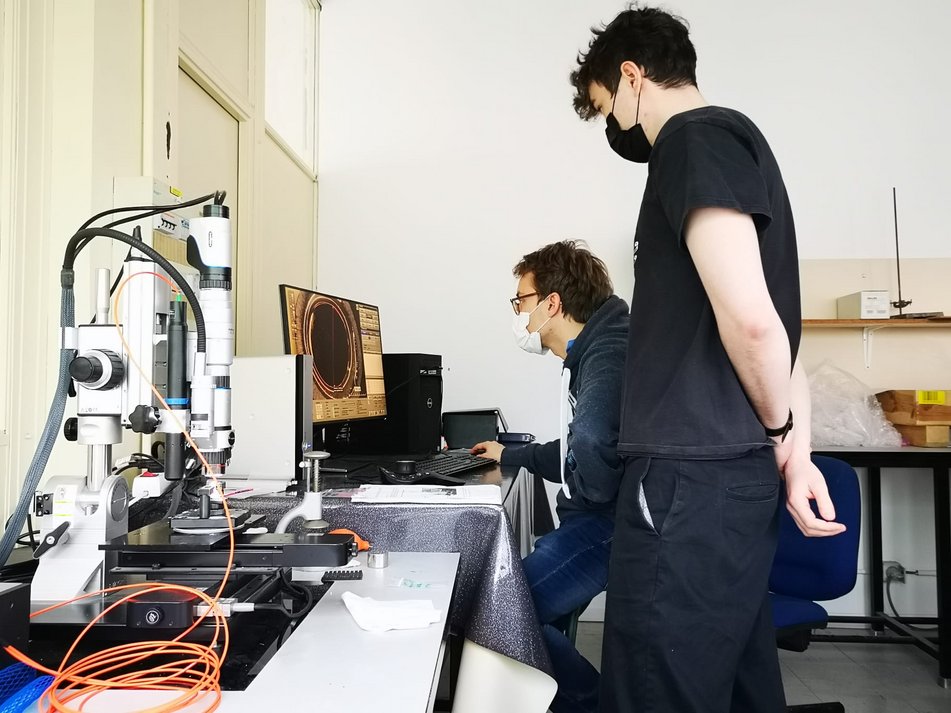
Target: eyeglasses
517, 300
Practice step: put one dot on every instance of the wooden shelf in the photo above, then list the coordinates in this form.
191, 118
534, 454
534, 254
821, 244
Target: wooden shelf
876, 323
870, 326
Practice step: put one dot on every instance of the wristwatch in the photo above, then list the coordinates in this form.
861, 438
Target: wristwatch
782, 431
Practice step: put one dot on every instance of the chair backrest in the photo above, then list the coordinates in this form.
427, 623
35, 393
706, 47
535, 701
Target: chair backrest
821, 568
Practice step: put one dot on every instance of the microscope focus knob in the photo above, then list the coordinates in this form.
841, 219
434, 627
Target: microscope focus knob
144, 419
98, 369
85, 370
71, 429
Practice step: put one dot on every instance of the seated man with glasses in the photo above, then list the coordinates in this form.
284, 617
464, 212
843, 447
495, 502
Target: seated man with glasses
565, 303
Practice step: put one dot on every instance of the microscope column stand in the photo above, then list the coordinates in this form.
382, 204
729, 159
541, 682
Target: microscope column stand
77, 514
72, 562
99, 465
311, 507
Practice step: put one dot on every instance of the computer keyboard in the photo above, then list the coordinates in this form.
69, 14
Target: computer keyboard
452, 463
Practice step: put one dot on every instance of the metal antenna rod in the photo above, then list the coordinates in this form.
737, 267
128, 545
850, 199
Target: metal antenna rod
901, 303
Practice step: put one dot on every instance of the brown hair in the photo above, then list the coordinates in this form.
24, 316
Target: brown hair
571, 270
656, 41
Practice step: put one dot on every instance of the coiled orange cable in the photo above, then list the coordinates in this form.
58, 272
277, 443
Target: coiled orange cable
197, 674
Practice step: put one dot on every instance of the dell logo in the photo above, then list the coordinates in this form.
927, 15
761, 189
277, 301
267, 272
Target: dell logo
429, 403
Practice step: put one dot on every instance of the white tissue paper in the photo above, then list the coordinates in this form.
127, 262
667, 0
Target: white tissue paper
374, 615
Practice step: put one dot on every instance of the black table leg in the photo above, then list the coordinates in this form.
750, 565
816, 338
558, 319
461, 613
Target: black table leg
876, 573
942, 526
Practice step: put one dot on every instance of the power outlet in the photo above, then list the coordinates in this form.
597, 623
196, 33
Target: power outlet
894, 571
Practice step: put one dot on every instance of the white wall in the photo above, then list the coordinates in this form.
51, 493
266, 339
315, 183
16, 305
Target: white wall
65, 115
78, 108
448, 148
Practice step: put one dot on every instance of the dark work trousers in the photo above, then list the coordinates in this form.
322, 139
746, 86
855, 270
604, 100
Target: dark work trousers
688, 626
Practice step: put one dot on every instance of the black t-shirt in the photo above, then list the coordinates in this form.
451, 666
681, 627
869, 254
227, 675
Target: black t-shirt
682, 397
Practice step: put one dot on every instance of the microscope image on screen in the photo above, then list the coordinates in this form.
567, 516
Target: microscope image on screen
343, 336
329, 330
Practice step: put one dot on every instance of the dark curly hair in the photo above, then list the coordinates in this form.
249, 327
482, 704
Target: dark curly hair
654, 40
571, 270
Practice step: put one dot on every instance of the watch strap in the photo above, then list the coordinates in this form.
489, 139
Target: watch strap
782, 430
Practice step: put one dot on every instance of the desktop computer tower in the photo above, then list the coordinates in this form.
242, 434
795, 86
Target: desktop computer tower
412, 426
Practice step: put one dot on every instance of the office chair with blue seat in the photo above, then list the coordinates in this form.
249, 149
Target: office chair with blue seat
807, 569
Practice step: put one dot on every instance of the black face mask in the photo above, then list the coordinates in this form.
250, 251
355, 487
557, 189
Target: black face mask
630, 144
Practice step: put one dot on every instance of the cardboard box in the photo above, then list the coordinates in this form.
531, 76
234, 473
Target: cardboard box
868, 304
917, 408
927, 436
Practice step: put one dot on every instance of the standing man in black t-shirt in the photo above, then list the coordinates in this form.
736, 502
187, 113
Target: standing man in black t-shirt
707, 410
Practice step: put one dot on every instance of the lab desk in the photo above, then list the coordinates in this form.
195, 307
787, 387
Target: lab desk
938, 460
492, 606
329, 663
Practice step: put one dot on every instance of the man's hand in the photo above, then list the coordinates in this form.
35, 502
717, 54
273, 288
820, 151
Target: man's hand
804, 482
488, 449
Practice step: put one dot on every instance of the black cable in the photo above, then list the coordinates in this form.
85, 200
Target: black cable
28, 539
888, 593
132, 219
150, 211
285, 611
29, 524
151, 466
73, 248
145, 458
176, 502
296, 592
293, 588
30, 532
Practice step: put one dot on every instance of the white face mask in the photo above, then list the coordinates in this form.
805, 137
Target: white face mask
529, 341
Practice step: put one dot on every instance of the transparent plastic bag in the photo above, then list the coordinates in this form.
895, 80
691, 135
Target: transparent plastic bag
845, 412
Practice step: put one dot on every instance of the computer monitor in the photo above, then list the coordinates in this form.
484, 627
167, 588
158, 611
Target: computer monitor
343, 336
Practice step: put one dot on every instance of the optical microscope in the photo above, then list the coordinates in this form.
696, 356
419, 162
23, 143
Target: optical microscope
119, 372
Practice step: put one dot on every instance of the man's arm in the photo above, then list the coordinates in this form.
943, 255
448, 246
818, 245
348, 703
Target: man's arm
725, 250
597, 467
543, 459
804, 481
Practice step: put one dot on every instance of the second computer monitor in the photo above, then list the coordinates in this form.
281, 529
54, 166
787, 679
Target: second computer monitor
343, 336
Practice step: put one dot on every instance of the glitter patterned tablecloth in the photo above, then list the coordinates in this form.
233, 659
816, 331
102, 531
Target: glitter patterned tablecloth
492, 605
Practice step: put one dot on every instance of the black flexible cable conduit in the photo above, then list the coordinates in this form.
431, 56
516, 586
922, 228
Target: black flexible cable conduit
67, 276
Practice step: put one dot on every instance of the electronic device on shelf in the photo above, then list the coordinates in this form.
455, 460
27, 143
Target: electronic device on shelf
515, 438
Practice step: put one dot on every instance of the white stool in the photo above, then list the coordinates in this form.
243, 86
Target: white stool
492, 683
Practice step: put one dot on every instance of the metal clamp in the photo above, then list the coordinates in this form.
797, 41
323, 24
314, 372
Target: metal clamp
311, 466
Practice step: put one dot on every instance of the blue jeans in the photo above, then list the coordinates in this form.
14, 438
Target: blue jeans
567, 569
